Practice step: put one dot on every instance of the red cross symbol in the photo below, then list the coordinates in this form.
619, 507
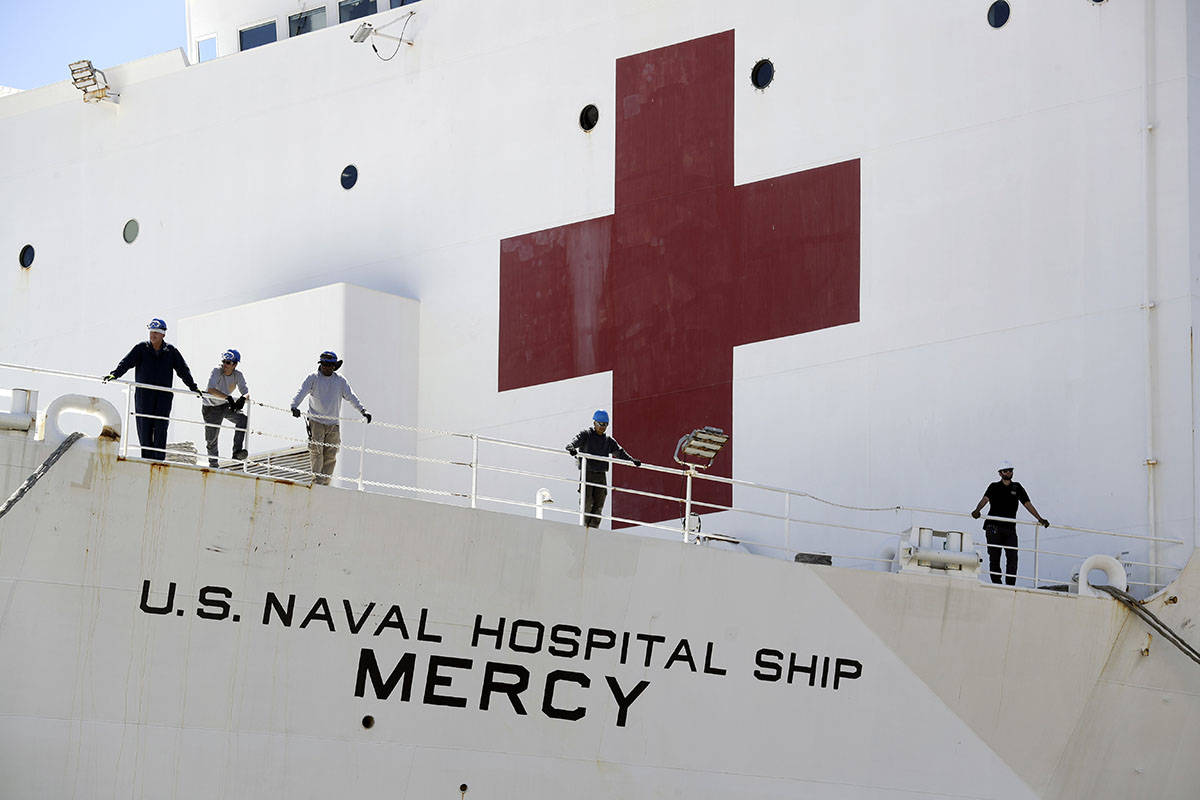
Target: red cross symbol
688, 267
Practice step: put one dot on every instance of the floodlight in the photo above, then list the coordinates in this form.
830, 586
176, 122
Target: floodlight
366, 31
95, 89
702, 443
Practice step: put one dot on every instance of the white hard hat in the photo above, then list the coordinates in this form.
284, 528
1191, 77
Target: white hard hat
1004, 465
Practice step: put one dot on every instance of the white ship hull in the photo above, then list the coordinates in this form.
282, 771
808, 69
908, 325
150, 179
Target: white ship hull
928, 245
171, 632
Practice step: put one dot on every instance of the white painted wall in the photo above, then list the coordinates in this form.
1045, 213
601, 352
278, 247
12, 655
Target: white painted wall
224, 19
1005, 227
374, 333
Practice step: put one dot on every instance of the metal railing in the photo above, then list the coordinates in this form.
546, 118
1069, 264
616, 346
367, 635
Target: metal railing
460, 468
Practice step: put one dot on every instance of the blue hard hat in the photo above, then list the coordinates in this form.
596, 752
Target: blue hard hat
329, 357
600, 416
157, 325
231, 355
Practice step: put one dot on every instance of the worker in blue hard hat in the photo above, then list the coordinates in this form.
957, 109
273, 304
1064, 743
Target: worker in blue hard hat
595, 441
325, 392
154, 361
220, 405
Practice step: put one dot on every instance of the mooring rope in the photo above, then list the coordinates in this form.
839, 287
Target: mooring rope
40, 471
1148, 616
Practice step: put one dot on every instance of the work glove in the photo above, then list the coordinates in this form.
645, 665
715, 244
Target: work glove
241, 401
109, 377
1045, 523
295, 412
368, 416
975, 514
572, 451
637, 463
199, 394
229, 402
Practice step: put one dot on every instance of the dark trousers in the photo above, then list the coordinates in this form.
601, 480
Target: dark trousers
213, 415
593, 497
999, 536
152, 433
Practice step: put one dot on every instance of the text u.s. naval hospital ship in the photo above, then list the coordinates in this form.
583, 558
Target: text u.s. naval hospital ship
879, 246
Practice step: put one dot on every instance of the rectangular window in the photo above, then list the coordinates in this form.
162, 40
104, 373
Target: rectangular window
353, 9
249, 38
206, 49
398, 3
306, 22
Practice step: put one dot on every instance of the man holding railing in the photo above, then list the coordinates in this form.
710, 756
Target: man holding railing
595, 441
325, 392
1004, 495
219, 405
154, 361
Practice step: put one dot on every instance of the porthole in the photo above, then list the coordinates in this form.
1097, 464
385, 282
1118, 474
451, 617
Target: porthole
998, 13
762, 74
368, 722
588, 117
26, 256
130, 232
349, 176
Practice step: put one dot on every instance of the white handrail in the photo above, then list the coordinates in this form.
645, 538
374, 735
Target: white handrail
725, 514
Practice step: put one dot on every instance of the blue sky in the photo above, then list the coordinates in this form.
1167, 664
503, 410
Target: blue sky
38, 38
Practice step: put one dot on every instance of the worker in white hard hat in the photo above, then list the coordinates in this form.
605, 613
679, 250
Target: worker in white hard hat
1004, 495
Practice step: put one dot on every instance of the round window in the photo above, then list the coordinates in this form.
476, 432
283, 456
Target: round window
349, 176
588, 117
762, 74
130, 231
26, 256
998, 13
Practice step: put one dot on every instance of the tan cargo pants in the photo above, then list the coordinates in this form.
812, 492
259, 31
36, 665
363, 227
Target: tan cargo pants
323, 441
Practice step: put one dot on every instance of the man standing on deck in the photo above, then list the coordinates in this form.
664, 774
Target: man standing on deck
153, 363
219, 405
1004, 495
325, 392
595, 441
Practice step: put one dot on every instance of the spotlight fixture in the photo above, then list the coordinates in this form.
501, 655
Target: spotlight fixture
366, 31
92, 82
703, 443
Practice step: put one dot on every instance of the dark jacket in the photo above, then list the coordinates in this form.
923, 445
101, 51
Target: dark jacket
597, 444
155, 367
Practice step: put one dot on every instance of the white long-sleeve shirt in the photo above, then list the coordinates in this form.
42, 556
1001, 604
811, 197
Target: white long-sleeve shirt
225, 384
325, 397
